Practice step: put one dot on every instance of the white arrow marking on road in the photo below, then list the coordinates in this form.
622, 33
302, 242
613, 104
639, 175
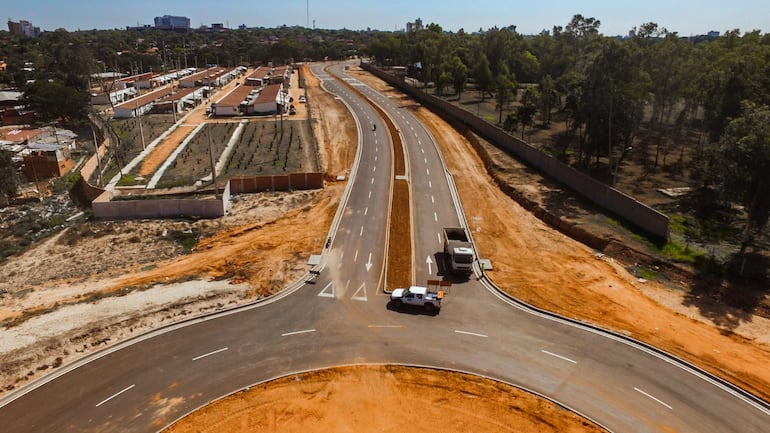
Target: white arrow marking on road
325, 294
369, 263
429, 262
356, 297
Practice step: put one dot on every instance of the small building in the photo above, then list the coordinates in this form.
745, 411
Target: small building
239, 101
268, 100
141, 105
49, 155
18, 115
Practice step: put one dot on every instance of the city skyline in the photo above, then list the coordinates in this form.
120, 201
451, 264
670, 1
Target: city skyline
687, 17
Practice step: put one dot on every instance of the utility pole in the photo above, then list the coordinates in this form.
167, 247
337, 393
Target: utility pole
213, 167
141, 131
98, 160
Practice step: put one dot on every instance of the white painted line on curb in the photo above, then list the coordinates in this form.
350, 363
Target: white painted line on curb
559, 356
651, 397
305, 331
471, 333
114, 395
209, 354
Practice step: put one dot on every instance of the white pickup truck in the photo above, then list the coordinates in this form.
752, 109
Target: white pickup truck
417, 296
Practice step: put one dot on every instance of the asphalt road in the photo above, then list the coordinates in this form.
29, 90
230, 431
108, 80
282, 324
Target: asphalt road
341, 318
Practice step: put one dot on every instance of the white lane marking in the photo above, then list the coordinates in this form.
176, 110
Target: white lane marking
419, 142
425, 159
209, 354
439, 237
471, 333
370, 194
651, 397
559, 356
435, 216
422, 150
366, 211
357, 297
325, 294
375, 142
372, 181
361, 232
386, 326
375, 158
304, 331
428, 170
430, 184
376, 149
114, 395
374, 168
432, 199
355, 258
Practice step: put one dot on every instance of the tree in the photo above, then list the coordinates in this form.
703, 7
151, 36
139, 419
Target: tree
505, 88
459, 73
525, 113
55, 101
9, 179
744, 164
483, 75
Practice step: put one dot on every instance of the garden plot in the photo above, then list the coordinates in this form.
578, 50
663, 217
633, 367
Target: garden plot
263, 148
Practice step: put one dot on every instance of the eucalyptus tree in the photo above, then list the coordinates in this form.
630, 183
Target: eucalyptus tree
612, 101
742, 165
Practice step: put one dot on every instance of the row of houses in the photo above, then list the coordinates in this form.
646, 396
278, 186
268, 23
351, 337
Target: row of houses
116, 89
162, 100
262, 93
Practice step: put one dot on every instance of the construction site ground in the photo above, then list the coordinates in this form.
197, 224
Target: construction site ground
101, 282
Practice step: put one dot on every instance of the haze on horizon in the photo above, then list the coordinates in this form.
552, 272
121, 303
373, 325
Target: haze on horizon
686, 17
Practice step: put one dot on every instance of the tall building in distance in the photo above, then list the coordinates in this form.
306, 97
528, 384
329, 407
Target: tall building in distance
23, 28
416, 26
168, 22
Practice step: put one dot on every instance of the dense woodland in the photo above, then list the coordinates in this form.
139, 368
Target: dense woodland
606, 89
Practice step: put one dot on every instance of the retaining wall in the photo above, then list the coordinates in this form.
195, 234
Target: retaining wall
603, 195
105, 207
284, 182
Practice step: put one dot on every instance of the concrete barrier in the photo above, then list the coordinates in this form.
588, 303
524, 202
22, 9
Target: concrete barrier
606, 197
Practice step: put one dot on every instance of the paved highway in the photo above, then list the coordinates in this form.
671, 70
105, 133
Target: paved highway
341, 318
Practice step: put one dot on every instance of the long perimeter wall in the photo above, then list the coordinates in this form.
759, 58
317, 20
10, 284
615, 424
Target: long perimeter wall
603, 195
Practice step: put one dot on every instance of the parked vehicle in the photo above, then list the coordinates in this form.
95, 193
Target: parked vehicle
458, 251
302, 99
419, 297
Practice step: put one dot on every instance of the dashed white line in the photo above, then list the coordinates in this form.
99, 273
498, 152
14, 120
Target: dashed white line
304, 331
651, 397
375, 158
361, 232
114, 395
428, 170
372, 181
370, 194
209, 354
471, 333
439, 237
559, 356
374, 168
432, 199
386, 326
425, 160
435, 217
422, 150
355, 257
430, 184
366, 211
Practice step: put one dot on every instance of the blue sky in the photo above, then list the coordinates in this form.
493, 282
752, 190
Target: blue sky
688, 17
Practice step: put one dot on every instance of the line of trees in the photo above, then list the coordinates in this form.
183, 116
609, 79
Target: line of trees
609, 90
